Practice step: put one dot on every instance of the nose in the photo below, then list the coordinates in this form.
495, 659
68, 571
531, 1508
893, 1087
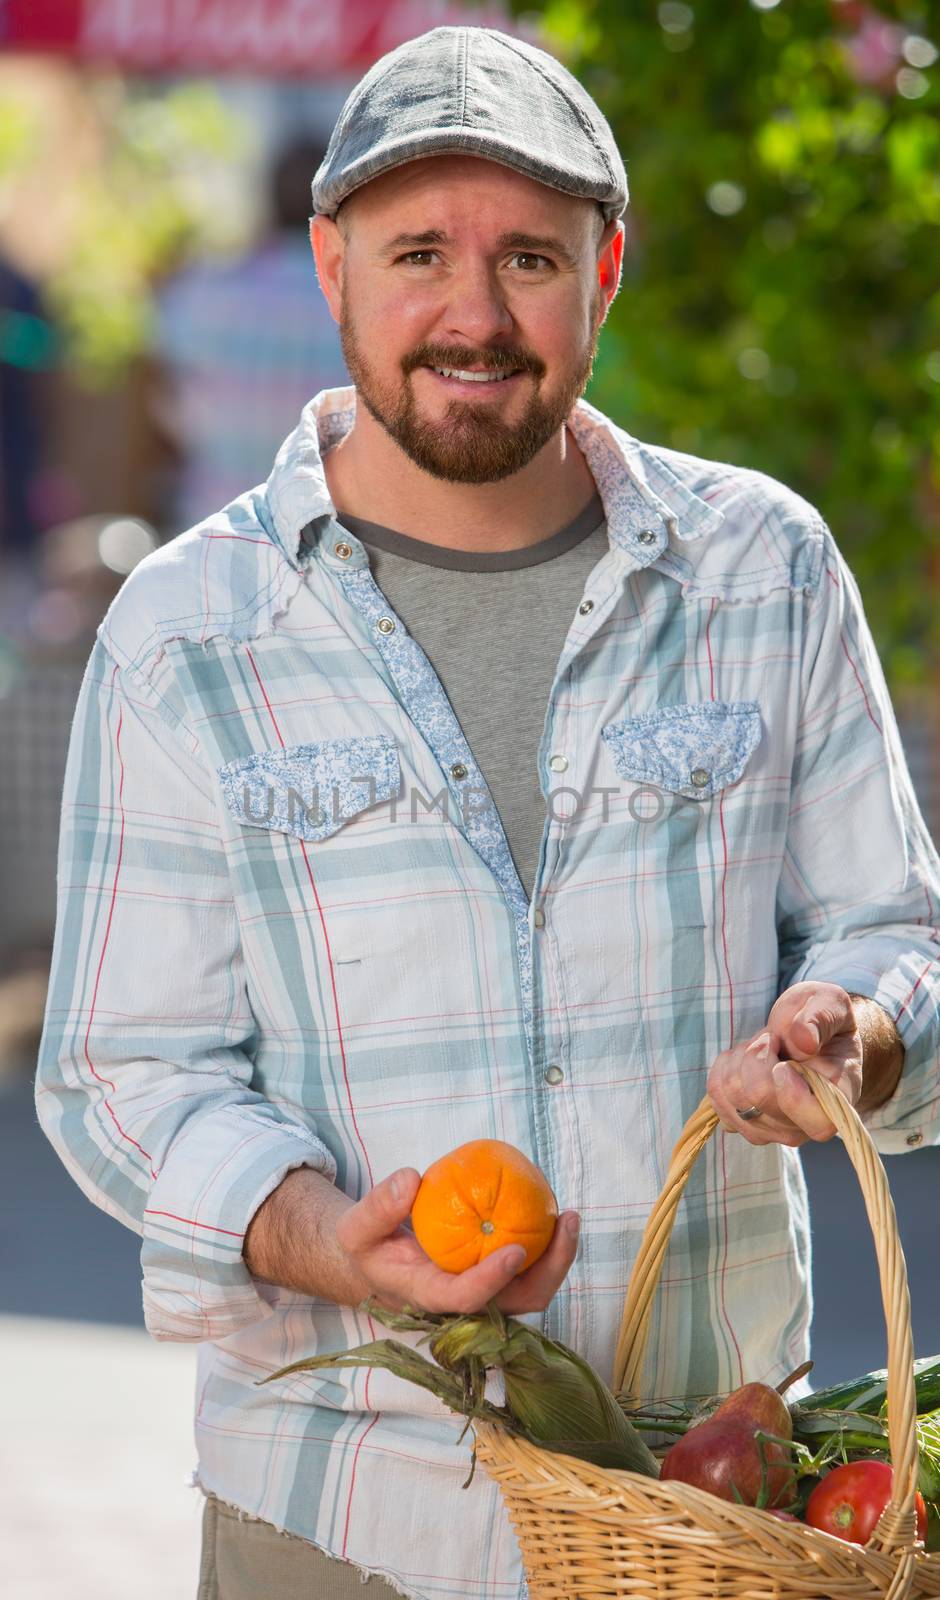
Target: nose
476, 309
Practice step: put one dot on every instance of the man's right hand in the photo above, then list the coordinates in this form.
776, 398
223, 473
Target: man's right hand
310, 1237
391, 1262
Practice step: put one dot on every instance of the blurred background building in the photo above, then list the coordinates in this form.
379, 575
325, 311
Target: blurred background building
160, 329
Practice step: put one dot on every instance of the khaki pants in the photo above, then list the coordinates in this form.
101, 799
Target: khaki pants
245, 1559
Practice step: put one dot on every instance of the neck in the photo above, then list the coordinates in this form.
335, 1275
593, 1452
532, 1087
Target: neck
370, 477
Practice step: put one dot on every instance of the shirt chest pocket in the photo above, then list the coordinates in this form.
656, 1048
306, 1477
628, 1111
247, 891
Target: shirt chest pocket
690, 750
311, 790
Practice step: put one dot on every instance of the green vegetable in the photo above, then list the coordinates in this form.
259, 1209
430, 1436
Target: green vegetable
845, 1434
869, 1393
928, 1450
553, 1397
855, 1429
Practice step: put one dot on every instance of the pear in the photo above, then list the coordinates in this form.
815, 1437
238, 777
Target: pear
760, 1405
723, 1454
727, 1459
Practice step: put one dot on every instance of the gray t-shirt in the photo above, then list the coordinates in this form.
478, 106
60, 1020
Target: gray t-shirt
493, 625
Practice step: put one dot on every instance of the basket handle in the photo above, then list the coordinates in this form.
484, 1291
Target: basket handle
897, 1526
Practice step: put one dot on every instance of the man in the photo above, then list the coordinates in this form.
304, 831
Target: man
486, 772
240, 345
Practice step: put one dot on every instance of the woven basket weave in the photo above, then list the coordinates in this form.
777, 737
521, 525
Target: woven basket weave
588, 1532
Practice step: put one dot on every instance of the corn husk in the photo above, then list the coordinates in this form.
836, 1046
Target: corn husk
553, 1397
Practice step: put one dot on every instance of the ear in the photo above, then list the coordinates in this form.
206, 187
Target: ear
329, 249
610, 262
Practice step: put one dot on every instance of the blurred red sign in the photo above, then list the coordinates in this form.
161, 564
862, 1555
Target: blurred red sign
318, 38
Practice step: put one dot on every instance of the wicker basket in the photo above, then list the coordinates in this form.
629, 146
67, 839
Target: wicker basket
589, 1532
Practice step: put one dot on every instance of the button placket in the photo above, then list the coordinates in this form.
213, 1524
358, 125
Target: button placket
554, 762
336, 548
425, 702
607, 582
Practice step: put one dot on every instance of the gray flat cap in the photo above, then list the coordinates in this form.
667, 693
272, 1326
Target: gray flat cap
473, 91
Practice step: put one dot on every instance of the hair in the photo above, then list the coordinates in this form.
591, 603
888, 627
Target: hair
341, 216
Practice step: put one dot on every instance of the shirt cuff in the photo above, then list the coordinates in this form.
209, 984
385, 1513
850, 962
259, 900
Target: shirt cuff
196, 1284
903, 976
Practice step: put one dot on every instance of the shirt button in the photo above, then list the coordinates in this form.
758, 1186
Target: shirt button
699, 777
914, 1138
385, 625
558, 763
344, 551
586, 607
553, 1074
646, 536
538, 917
458, 770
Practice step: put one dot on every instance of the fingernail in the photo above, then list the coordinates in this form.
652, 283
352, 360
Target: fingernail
780, 1073
573, 1225
515, 1256
760, 1046
395, 1188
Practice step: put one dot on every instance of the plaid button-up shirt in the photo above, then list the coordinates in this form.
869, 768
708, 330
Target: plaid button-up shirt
271, 951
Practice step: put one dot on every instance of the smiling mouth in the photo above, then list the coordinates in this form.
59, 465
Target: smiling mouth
486, 376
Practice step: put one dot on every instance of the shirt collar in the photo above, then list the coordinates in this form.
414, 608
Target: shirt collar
646, 504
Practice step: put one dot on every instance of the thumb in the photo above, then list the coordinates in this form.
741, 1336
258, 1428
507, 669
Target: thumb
380, 1212
813, 1026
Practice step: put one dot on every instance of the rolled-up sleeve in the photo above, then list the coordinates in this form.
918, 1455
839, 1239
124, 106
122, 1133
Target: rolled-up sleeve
859, 895
143, 1082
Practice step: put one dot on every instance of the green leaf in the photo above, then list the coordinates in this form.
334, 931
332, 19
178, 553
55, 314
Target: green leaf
842, 206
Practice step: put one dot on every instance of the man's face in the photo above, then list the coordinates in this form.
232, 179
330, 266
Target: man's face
470, 300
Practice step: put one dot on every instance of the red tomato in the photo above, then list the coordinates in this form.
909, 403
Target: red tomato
850, 1500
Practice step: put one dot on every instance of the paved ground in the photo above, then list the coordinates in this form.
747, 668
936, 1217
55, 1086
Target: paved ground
97, 1417
97, 1429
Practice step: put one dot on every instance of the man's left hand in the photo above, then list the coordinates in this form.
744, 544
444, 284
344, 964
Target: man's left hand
812, 1022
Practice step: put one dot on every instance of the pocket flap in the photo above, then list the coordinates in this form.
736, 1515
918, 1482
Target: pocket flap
310, 790
694, 750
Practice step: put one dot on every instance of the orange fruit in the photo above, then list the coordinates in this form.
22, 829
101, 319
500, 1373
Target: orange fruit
479, 1197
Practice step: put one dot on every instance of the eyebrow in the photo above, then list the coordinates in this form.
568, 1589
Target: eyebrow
536, 243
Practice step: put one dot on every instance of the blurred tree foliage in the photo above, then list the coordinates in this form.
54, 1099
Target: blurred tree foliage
780, 305
149, 206
153, 197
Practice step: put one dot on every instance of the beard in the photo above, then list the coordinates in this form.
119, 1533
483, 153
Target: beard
469, 444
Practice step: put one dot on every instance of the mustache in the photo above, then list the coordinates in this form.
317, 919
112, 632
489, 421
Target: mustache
501, 358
